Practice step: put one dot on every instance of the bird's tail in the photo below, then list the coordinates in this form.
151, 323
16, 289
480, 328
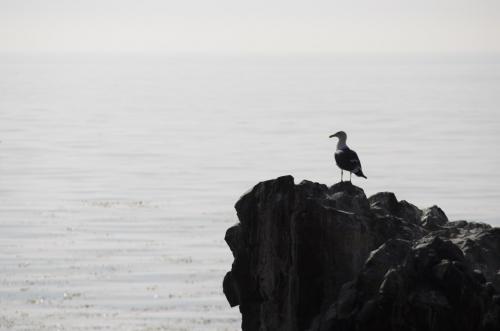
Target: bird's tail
360, 174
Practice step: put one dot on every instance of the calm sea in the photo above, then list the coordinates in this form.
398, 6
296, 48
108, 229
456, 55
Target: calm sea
118, 173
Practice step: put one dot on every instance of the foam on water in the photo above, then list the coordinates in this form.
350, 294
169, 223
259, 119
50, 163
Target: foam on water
118, 173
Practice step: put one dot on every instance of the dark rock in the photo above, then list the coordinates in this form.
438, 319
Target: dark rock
231, 291
482, 249
310, 257
378, 263
433, 218
387, 202
496, 281
384, 200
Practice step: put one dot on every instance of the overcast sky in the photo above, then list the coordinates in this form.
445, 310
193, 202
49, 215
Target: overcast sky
262, 26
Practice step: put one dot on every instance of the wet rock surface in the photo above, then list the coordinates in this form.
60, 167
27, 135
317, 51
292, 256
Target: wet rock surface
312, 257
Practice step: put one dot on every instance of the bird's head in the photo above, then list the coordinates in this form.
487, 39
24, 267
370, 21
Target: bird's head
341, 135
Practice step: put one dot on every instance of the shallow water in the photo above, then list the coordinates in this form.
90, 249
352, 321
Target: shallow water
118, 173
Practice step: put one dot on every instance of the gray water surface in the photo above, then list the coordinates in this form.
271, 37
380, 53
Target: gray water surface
118, 173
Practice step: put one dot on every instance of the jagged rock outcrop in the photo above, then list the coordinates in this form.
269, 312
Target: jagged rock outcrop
318, 258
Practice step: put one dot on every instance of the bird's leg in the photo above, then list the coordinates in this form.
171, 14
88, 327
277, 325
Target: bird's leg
341, 175
350, 176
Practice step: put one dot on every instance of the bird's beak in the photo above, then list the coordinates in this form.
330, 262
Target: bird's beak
333, 135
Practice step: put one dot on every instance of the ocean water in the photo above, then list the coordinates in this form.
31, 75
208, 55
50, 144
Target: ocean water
118, 173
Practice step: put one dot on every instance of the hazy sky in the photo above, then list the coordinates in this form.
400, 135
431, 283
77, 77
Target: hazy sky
250, 26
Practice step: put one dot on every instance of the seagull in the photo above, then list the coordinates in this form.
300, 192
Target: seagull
346, 158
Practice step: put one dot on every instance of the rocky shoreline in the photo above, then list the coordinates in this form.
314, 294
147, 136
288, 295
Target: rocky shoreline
318, 258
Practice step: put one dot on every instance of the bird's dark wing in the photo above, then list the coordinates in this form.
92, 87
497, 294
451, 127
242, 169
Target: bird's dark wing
347, 159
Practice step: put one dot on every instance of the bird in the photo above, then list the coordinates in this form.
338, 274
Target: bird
346, 158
